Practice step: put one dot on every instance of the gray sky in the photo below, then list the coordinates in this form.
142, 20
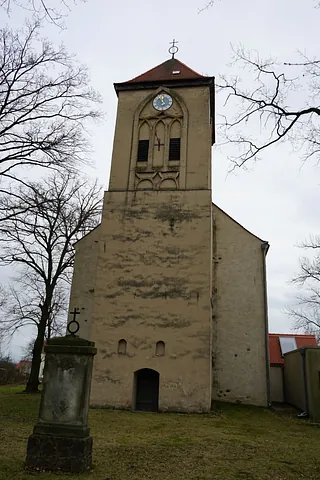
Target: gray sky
277, 198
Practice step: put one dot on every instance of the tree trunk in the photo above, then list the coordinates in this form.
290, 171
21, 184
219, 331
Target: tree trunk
49, 329
33, 381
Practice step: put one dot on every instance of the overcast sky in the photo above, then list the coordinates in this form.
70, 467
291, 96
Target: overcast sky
277, 199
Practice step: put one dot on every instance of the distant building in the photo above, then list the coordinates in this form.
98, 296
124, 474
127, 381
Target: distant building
24, 367
279, 345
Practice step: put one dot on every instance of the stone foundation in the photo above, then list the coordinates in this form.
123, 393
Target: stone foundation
49, 452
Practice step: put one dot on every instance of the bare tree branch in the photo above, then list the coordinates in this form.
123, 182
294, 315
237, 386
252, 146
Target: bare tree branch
39, 242
306, 313
271, 104
45, 103
53, 11
206, 6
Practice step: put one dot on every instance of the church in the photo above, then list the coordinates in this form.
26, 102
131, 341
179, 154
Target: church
171, 289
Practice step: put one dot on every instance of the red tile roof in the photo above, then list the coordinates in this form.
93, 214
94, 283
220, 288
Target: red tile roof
165, 71
274, 345
23, 362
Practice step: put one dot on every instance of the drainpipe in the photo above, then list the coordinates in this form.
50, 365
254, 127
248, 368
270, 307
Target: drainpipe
265, 247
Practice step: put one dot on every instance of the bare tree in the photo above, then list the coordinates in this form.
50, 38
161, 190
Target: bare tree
270, 101
45, 101
24, 300
3, 343
55, 11
61, 210
306, 314
28, 349
3, 346
211, 3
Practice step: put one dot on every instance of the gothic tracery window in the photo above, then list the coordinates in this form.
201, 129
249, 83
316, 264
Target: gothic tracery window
159, 149
143, 144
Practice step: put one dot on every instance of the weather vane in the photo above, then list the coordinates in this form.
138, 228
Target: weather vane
173, 49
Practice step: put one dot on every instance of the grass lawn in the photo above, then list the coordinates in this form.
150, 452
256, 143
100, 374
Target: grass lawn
234, 442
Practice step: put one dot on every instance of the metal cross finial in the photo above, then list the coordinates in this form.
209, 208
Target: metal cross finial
174, 49
73, 326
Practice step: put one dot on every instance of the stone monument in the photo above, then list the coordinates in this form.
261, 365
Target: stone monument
60, 439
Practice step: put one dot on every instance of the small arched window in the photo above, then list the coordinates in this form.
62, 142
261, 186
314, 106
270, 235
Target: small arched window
160, 348
122, 347
143, 144
175, 141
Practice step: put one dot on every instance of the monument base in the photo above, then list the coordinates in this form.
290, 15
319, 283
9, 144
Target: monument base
66, 454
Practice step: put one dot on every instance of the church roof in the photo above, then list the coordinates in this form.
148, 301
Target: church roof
171, 69
171, 73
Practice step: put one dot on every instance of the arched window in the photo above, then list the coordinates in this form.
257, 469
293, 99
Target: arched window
122, 347
175, 141
143, 144
160, 348
159, 144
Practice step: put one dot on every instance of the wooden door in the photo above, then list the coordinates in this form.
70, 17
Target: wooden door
147, 390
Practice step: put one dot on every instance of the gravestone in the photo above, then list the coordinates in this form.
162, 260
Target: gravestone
61, 438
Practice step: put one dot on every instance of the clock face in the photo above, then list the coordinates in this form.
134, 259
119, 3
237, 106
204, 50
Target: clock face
161, 102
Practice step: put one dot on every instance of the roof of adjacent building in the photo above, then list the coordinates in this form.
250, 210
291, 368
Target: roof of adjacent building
276, 357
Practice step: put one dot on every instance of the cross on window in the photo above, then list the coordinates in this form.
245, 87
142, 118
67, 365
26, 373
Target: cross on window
158, 143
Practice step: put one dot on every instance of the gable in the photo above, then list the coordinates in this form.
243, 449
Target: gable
219, 211
88, 238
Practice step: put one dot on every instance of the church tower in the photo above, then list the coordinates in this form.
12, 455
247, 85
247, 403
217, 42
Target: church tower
143, 279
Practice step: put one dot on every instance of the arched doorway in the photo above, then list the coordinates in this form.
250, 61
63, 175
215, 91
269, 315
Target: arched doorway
146, 390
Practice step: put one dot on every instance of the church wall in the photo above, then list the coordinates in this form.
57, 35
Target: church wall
199, 137
83, 280
239, 339
122, 143
154, 284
